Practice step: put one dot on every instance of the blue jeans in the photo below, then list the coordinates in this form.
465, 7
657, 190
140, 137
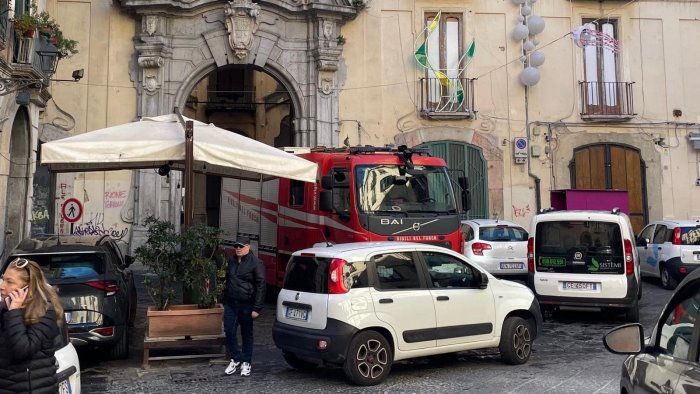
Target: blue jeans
233, 317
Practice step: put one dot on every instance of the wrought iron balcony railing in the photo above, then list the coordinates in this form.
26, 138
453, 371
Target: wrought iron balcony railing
447, 98
606, 100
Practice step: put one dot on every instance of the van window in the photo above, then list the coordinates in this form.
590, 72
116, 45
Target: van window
585, 247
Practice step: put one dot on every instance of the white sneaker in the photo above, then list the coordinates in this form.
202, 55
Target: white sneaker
232, 367
245, 369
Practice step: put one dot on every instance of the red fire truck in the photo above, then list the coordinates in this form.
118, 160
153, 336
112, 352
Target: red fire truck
364, 194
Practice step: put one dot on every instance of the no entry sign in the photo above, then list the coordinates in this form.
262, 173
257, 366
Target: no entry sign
72, 210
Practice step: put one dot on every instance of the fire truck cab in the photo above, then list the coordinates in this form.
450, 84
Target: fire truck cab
363, 194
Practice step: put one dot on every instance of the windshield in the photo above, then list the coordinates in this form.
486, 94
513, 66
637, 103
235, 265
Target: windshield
393, 188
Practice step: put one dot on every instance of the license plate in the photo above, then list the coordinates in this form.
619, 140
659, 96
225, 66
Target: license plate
64, 387
297, 314
511, 266
580, 286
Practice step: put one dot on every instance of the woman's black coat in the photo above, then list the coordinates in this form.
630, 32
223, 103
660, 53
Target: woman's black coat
27, 362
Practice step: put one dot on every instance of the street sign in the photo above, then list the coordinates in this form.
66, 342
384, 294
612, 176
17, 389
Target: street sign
520, 150
72, 210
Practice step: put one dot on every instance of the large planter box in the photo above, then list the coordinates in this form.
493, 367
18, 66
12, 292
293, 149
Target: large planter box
185, 320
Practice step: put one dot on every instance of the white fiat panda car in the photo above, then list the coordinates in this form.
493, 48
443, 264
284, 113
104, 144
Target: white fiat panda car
364, 305
584, 259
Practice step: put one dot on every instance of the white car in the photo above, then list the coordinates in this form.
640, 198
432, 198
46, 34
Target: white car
364, 305
68, 374
498, 246
669, 250
584, 259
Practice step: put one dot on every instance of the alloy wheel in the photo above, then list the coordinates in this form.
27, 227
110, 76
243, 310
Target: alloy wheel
371, 359
522, 341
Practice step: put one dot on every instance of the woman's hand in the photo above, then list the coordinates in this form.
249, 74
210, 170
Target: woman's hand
17, 298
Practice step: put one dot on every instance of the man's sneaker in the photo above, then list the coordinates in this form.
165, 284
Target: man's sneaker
232, 367
245, 369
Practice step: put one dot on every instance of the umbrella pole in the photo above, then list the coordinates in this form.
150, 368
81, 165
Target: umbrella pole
189, 176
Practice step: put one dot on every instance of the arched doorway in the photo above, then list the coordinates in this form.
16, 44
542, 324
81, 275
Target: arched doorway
246, 100
469, 159
611, 166
18, 179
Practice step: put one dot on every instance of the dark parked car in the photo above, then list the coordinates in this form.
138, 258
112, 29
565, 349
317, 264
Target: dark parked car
94, 283
669, 360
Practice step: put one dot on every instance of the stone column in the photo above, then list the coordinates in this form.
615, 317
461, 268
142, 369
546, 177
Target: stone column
326, 54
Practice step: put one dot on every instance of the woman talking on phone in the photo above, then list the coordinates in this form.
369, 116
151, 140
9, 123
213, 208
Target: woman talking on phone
29, 315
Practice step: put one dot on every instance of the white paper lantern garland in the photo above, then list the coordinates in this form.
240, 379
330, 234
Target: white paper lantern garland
522, 32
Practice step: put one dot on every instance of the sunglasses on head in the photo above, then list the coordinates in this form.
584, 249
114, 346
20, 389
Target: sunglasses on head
20, 262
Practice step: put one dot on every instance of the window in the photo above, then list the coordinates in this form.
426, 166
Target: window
71, 266
660, 234
690, 236
396, 271
502, 234
468, 232
676, 333
341, 190
450, 272
296, 193
600, 68
444, 50
646, 234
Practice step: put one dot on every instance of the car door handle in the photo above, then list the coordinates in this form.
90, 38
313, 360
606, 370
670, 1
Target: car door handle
443, 298
385, 301
666, 388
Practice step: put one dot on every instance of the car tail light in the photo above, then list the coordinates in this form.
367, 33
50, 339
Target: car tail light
531, 254
336, 284
629, 258
104, 331
110, 287
677, 236
479, 247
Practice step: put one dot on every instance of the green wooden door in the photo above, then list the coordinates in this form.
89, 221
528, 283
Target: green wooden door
470, 159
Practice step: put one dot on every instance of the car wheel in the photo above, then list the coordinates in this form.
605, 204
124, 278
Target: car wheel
632, 314
297, 363
120, 350
667, 281
516, 341
369, 359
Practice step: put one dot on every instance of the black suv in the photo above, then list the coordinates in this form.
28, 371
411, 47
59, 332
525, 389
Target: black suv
94, 283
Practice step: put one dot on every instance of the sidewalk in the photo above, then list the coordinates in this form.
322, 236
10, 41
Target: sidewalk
128, 376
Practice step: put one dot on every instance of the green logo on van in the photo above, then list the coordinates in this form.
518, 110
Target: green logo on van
552, 261
595, 265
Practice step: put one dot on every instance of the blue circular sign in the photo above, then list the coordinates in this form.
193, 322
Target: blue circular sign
520, 143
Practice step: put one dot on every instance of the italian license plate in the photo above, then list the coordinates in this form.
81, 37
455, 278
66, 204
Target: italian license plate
511, 266
297, 314
64, 387
591, 286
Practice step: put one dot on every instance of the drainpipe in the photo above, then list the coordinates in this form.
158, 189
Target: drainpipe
538, 194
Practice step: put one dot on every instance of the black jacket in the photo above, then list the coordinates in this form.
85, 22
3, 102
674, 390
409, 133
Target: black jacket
27, 362
245, 282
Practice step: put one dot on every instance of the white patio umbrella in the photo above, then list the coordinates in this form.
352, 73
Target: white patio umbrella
158, 141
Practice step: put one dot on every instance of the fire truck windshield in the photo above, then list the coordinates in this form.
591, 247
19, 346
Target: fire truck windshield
394, 188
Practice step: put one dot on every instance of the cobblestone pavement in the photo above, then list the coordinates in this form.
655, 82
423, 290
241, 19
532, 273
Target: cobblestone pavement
567, 358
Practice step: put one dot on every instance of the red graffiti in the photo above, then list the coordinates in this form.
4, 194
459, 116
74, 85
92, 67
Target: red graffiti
521, 212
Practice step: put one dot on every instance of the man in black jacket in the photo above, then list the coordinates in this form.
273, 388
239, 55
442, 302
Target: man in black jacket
243, 301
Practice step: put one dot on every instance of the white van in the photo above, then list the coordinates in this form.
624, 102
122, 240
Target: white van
584, 259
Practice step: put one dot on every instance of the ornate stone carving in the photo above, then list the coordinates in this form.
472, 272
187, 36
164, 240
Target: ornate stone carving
327, 65
328, 27
326, 86
151, 24
241, 23
150, 83
151, 61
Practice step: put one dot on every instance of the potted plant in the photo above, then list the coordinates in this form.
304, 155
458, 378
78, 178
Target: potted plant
181, 260
25, 24
46, 24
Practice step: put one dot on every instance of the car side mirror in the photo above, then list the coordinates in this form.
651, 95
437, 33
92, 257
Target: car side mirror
128, 260
642, 242
325, 201
327, 182
483, 281
626, 339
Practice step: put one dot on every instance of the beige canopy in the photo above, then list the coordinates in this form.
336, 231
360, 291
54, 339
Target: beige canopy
153, 142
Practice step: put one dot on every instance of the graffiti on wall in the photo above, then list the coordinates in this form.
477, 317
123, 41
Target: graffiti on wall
115, 199
96, 226
521, 212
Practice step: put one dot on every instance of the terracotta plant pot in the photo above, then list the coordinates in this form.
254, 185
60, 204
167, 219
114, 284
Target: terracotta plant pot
185, 320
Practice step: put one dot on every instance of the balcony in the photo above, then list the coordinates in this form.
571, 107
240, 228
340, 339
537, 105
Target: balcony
33, 61
606, 101
449, 98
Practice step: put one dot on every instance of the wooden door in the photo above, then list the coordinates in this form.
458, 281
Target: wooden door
613, 167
